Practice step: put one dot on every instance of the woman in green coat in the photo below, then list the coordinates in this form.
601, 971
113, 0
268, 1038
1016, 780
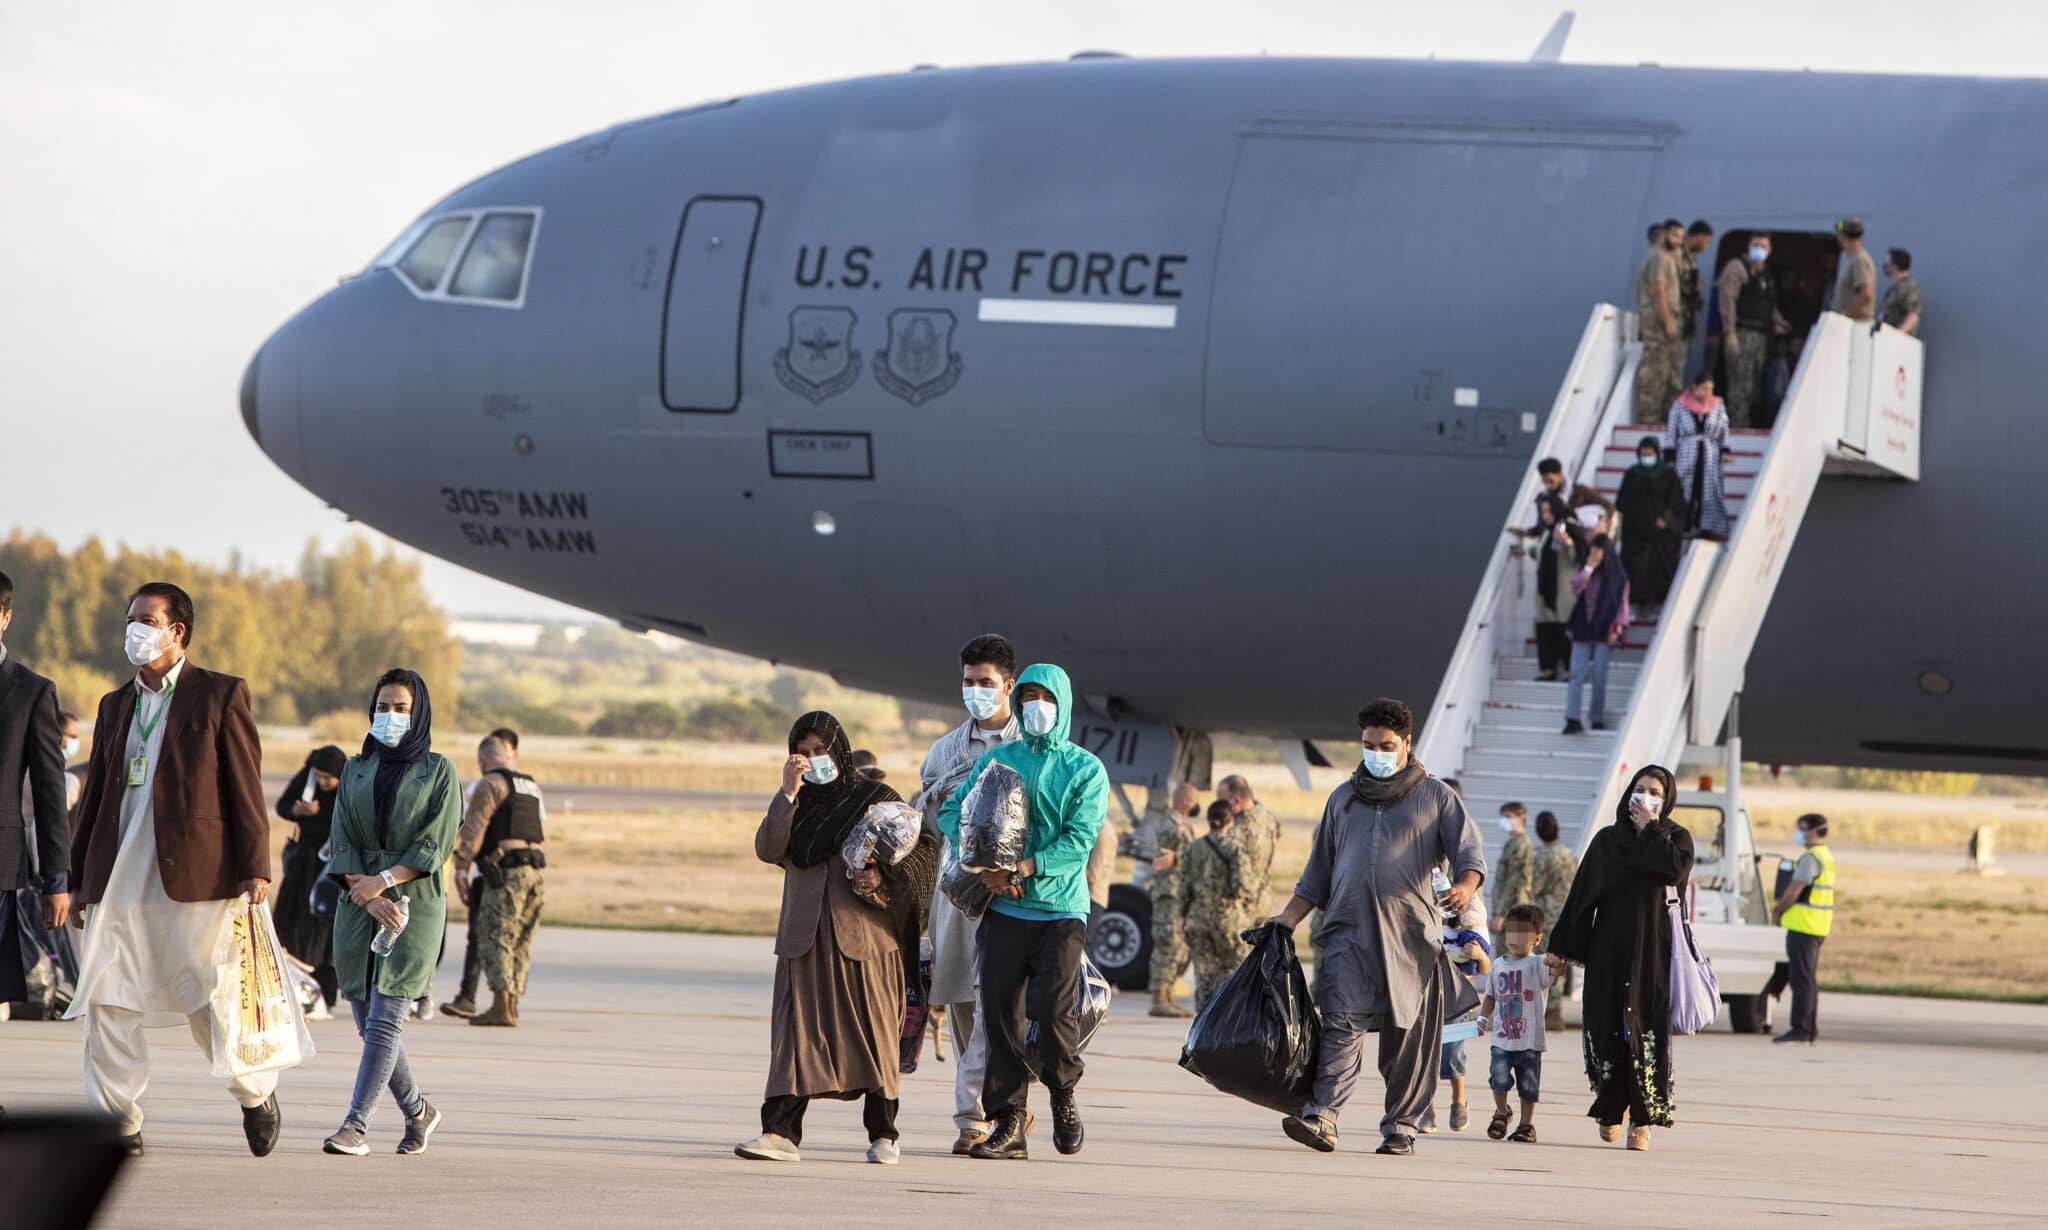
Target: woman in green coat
395, 819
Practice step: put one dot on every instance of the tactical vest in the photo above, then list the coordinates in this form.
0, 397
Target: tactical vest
519, 816
1815, 911
1756, 302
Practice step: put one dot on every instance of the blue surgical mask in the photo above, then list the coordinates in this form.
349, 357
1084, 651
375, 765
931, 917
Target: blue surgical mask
70, 748
1759, 255
822, 771
1040, 716
982, 703
389, 728
1381, 764
1798, 837
1646, 459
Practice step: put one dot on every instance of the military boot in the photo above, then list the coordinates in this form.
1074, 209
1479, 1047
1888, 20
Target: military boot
1163, 1004
504, 1010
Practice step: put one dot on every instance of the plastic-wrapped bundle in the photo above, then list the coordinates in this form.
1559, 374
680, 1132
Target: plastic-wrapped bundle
963, 887
1091, 1004
993, 820
1256, 1038
886, 835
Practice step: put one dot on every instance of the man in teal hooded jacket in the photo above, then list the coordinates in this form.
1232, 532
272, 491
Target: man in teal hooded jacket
1033, 933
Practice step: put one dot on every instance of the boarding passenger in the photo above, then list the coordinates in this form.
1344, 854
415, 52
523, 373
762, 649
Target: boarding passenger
1471, 954
1748, 297
1560, 543
1806, 909
1212, 897
836, 1025
308, 804
1599, 620
1696, 433
1034, 931
1615, 924
31, 772
1662, 365
1856, 288
1653, 521
1551, 472
988, 673
1902, 297
395, 820
1170, 835
1551, 883
1514, 1013
172, 834
1381, 836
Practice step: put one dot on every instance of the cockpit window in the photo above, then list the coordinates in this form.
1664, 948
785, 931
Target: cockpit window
495, 265
428, 258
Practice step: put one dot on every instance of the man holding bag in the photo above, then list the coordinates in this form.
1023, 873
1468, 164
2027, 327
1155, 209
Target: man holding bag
172, 834
1381, 835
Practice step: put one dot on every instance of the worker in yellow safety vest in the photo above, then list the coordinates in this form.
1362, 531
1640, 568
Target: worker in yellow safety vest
1806, 909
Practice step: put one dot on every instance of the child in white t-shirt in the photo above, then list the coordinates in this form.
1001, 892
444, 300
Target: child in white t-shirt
1513, 1013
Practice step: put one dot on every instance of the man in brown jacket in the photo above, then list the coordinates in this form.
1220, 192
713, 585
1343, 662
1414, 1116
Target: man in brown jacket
171, 833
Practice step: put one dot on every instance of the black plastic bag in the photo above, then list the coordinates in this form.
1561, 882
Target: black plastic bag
963, 887
993, 820
1256, 1038
1091, 1004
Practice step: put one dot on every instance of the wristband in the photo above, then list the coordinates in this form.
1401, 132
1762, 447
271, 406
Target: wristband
386, 876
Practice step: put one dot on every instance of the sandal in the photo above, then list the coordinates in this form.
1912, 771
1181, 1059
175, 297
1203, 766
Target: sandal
1498, 1129
1525, 1134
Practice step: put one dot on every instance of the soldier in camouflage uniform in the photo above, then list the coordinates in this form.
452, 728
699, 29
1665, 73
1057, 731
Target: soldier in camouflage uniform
1550, 881
1901, 308
1212, 889
501, 841
1660, 375
1749, 320
1257, 832
1170, 834
1511, 879
1698, 237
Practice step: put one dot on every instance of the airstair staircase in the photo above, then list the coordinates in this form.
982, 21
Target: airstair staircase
1852, 407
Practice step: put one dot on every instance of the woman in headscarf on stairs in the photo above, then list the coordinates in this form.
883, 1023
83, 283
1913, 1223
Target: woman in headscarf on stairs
1697, 432
838, 1010
1615, 923
1653, 521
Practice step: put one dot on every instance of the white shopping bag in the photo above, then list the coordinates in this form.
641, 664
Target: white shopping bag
258, 1025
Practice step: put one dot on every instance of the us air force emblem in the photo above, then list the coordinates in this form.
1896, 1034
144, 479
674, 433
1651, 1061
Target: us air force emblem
819, 362
919, 362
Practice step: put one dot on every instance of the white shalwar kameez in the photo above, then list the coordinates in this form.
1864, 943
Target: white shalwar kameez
148, 960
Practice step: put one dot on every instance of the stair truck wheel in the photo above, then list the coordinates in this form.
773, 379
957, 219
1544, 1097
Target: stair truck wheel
1120, 942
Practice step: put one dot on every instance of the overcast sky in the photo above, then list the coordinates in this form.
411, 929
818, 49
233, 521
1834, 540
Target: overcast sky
178, 177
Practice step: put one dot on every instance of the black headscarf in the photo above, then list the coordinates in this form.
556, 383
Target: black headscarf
393, 762
1663, 775
329, 760
825, 815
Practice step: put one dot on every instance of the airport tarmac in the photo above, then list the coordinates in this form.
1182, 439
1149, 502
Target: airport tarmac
640, 1060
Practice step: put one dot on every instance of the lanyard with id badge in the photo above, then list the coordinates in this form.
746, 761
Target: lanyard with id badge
138, 764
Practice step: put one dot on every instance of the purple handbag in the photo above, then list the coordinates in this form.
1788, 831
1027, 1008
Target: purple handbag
1695, 995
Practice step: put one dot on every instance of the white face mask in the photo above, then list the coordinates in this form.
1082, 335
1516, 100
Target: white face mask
145, 643
1039, 717
70, 748
822, 771
1758, 256
1649, 803
389, 728
981, 703
1798, 837
1381, 764
1507, 824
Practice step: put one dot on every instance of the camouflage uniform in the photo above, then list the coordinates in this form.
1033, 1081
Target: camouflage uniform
1211, 888
1511, 879
1901, 299
1660, 376
1550, 882
1257, 833
505, 927
1169, 935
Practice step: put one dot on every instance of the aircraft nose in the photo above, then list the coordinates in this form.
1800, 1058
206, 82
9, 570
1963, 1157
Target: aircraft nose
270, 399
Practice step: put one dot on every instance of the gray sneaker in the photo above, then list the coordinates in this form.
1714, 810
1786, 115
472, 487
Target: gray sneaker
419, 1127
1459, 1116
350, 1139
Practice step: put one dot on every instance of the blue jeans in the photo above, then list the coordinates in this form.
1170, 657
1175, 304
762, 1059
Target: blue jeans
1517, 1071
1597, 655
383, 1064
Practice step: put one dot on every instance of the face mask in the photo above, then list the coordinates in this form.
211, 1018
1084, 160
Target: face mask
982, 703
145, 644
1648, 802
389, 728
1039, 717
1507, 824
1798, 837
1758, 256
1381, 764
822, 771
70, 748
1646, 459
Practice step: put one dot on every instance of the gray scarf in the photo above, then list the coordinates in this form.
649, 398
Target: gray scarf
1385, 792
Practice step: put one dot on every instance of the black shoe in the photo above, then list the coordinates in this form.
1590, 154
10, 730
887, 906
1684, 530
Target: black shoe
1005, 1142
132, 1145
1067, 1132
1792, 1035
1397, 1146
262, 1124
1599, 726
1572, 727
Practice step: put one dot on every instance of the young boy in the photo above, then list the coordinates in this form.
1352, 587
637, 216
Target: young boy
1472, 956
1211, 881
1513, 1011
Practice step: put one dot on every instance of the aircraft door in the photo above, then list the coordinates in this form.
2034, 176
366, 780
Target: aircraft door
703, 319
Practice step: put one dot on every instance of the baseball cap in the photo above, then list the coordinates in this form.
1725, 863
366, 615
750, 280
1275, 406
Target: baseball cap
1851, 227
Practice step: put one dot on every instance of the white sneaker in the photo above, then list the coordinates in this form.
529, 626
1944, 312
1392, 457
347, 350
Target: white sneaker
884, 1153
768, 1147
319, 1011
423, 1009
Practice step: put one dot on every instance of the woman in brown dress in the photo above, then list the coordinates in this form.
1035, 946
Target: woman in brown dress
839, 990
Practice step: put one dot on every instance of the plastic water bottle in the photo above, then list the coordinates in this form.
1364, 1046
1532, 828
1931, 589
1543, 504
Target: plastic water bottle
1440, 887
388, 936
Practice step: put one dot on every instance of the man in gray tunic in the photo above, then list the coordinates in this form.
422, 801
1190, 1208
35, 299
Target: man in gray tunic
1381, 835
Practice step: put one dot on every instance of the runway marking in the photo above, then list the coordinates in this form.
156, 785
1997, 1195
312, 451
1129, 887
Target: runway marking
1065, 312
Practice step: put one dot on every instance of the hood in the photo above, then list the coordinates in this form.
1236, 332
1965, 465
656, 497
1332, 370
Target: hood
1663, 775
1054, 680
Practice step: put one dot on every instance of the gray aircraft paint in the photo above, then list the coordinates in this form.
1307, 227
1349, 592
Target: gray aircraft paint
1266, 503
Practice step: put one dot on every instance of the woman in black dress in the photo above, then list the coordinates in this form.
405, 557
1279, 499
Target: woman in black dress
1653, 523
304, 934
1615, 924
